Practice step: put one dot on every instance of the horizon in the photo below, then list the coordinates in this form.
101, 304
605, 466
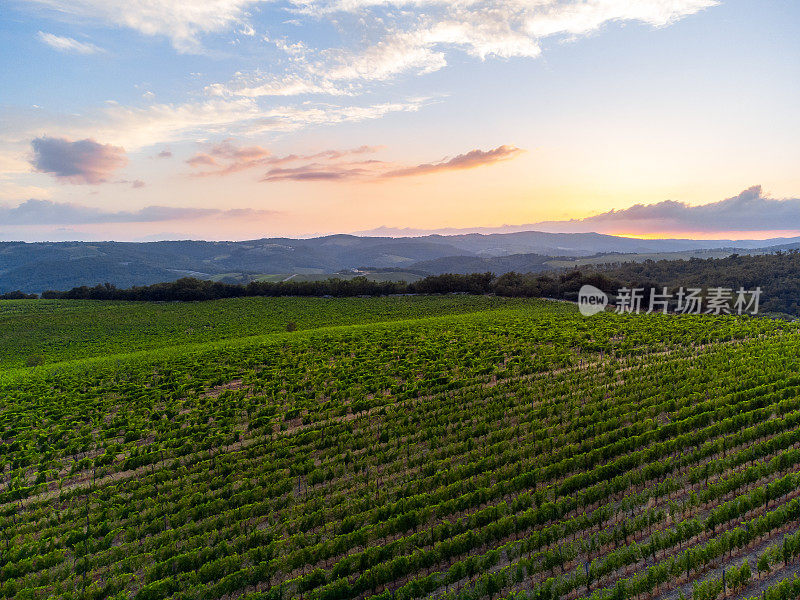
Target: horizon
420, 234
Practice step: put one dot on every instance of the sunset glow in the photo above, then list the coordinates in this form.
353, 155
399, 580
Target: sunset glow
240, 119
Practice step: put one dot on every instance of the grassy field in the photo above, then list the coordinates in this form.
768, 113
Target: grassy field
401, 448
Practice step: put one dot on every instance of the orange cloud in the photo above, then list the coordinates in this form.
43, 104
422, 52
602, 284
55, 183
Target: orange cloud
470, 160
201, 159
329, 165
237, 158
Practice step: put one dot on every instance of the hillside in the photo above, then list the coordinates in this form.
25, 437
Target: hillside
67, 330
778, 276
521, 263
35, 267
41, 266
515, 450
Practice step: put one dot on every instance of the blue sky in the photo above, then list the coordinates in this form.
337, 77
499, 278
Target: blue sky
231, 119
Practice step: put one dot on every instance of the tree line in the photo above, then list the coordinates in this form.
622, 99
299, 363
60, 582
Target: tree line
777, 274
18, 295
563, 285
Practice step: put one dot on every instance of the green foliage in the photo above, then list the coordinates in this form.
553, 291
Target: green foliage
777, 274
763, 563
62, 330
35, 360
462, 447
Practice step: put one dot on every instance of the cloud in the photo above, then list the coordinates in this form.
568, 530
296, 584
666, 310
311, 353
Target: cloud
470, 160
397, 38
68, 44
751, 210
46, 212
137, 183
419, 36
376, 170
231, 158
181, 21
315, 172
83, 161
332, 165
291, 118
237, 158
479, 27
201, 159
239, 154
139, 127
164, 154
253, 86
575, 16
162, 123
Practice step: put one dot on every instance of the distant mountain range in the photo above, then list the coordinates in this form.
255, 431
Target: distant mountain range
35, 267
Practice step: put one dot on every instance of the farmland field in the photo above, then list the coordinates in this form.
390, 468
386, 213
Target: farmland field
59, 330
454, 447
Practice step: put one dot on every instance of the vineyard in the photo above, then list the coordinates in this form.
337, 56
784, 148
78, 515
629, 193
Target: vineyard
454, 447
57, 330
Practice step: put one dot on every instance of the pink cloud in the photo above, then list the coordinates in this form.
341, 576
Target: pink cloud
470, 160
317, 172
201, 159
232, 159
330, 165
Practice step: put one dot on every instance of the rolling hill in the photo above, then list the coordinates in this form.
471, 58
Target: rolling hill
35, 267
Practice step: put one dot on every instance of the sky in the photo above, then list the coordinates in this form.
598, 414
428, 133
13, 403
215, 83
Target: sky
242, 119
